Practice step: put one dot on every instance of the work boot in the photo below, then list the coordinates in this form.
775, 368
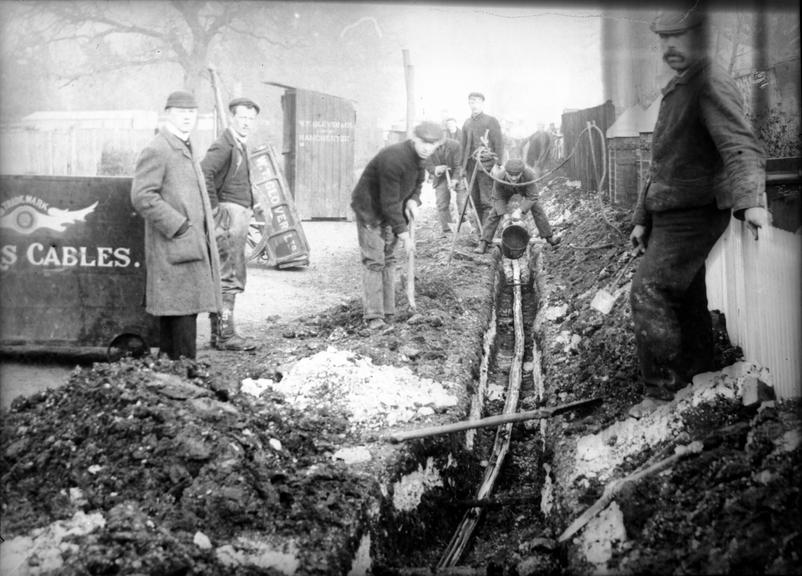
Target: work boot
227, 337
482, 248
553, 241
214, 324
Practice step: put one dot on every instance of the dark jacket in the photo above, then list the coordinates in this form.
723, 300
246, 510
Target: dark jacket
448, 153
225, 168
703, 149
182, 271
472, 132
457, 135
391, 178
529, 194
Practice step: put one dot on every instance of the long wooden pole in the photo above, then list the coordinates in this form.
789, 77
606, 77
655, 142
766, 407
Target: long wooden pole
490, 421
409, 79
222, 118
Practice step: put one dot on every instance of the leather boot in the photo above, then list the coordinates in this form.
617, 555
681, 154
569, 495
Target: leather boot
227, 337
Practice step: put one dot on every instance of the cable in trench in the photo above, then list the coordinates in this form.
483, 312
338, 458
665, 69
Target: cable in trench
462, 536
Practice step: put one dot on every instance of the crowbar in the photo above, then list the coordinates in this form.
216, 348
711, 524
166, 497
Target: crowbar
492, 420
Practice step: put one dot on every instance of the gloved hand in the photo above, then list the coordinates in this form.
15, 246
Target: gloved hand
406, 243
440, 170
411, 209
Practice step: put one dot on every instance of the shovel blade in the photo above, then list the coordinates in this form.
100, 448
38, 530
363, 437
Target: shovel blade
603, 301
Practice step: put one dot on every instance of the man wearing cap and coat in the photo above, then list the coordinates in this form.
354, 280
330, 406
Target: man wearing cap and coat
385, 200
226, 169
516, 178
446, 157
481, 131
706, 165
182, 268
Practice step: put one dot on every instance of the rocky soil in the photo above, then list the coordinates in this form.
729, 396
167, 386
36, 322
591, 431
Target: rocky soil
272, 462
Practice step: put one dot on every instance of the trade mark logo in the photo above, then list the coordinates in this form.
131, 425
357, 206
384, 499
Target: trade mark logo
27, 214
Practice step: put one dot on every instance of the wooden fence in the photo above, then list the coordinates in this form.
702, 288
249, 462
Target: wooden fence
756, 285
581, 166
78, 151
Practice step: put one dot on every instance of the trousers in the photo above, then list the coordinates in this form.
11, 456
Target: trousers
377, 247
178, 335
442, 197
500, 201
673, 327
232, 223
482, 190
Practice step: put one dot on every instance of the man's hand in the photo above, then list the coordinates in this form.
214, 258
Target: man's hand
406, 243
440, 169
516, 214
638, 238
411, 209
756, 218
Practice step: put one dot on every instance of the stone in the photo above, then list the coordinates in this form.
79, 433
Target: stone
754, 391
352, 455
202, 541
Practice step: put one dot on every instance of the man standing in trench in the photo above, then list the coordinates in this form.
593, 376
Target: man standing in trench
228, 180
481, 131
385, 200
706, 164
168, 191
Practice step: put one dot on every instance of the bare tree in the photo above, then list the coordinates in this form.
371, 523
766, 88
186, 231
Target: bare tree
113, 35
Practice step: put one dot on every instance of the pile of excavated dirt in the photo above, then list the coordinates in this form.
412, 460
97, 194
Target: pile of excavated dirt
266, 463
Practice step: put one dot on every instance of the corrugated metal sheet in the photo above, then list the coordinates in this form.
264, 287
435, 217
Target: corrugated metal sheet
757, 286
324, 155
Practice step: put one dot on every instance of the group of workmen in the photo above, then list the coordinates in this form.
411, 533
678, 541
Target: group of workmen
706, 166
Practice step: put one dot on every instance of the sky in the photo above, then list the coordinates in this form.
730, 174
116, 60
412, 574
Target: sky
531, 63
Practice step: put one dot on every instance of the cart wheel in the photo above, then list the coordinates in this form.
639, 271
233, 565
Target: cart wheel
126, 346
256, 241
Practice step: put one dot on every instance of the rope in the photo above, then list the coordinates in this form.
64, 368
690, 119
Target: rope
484, 150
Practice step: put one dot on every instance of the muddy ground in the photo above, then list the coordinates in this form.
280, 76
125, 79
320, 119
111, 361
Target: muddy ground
155, 467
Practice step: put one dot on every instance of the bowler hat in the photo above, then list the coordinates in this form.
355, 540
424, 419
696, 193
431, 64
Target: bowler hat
181, 99
677, 21
514, 166
247, 102
476, 95
429, 131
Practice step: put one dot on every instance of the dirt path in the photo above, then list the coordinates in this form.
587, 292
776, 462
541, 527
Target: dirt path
272, 295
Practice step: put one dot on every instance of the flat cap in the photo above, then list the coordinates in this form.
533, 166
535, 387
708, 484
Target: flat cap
476, 95
677, 21
181, 99
247, 102
514, 166
429, 131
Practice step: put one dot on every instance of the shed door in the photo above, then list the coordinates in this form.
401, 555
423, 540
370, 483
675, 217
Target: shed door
324, 155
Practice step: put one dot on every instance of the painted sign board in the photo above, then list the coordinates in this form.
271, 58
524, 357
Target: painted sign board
72, 266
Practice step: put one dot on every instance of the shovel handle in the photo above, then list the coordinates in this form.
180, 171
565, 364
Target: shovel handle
490, 421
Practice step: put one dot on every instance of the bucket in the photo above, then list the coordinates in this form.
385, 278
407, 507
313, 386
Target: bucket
514, 240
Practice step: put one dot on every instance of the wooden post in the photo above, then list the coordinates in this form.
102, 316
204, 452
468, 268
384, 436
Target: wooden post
409, 79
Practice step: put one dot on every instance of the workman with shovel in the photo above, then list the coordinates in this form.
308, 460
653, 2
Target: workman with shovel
706, 165
386, 200
444, 165
515, 178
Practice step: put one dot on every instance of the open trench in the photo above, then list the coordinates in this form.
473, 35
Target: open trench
473, 488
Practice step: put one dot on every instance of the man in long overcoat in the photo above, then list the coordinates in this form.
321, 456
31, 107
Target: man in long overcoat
169, 192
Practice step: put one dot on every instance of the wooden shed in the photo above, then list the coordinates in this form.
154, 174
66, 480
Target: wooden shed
318, 149
629, 152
